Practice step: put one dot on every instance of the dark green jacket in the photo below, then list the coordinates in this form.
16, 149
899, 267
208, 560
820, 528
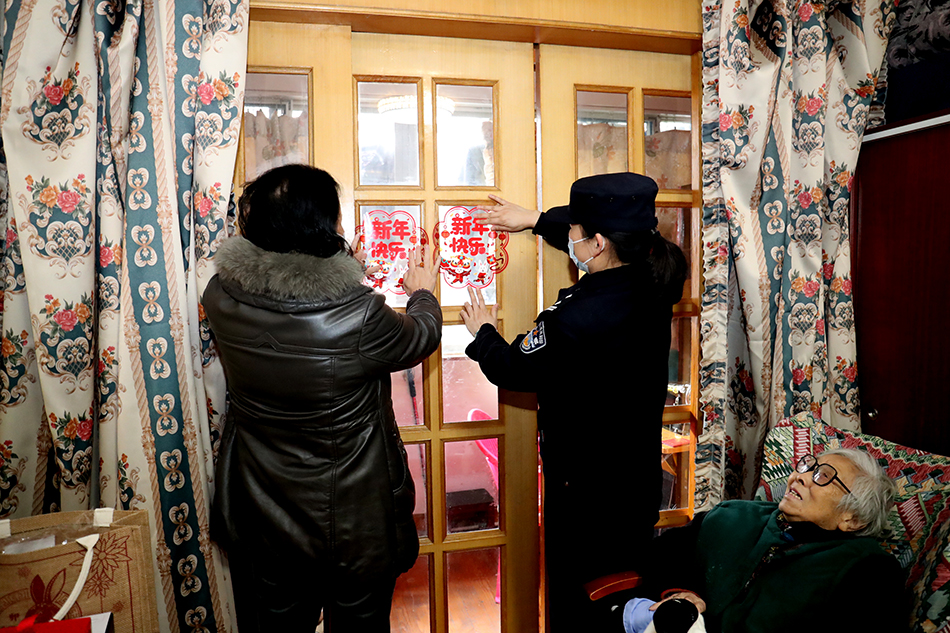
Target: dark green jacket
757, 577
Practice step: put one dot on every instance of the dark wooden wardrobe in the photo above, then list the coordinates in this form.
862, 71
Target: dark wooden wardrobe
901, 274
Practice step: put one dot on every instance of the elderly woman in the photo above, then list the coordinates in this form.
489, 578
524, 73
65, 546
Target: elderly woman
808, 563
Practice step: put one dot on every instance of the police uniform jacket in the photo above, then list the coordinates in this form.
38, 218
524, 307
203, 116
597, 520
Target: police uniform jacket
598, 361
311, 467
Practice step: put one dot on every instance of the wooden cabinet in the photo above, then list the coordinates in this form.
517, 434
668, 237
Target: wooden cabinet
901, 242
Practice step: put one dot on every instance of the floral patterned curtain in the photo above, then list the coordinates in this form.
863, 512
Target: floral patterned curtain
787, 85
917, 52
120, 122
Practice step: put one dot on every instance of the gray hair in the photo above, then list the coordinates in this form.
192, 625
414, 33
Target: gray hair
872, 493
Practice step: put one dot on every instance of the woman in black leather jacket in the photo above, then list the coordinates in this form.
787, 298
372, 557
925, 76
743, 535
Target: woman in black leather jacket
314, 499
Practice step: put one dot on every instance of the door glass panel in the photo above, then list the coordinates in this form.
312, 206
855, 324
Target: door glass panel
408, 400
471, 485
276, 121
465, 134
471, 256
601, 132
474, 589
388, 132
389, 234
466, 393
419, 470
678, 389
667, 125
675, 459
410, 612
676, 226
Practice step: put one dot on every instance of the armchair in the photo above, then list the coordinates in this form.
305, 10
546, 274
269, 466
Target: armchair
920, 520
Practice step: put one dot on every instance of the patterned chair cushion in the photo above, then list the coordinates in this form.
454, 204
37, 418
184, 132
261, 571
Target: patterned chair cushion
920, 520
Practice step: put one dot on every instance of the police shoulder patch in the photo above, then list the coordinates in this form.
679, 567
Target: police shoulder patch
534, 340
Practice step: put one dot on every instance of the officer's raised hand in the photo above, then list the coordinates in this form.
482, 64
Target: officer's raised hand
476, 314
506, 216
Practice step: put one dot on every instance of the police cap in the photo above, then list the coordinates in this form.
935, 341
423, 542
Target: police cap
621, 203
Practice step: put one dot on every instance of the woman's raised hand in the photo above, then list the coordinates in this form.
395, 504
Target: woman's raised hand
359, 253
423, 272
506, 216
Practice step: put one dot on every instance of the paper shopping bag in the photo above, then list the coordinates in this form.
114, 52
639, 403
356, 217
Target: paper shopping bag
68, 565
79, 625
99, 623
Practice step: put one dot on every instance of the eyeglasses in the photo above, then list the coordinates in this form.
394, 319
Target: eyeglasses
824, 473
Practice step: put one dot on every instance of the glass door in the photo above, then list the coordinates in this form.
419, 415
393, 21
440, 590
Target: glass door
439, 125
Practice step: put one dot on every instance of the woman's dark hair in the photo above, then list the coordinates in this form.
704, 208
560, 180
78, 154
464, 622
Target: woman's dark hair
664, 258
293, 209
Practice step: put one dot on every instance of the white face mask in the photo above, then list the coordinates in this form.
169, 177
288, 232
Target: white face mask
581, 265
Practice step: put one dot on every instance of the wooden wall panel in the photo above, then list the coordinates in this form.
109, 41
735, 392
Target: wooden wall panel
664, 27
667, 15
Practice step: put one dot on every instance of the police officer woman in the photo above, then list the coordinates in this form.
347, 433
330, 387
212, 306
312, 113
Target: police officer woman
598, 360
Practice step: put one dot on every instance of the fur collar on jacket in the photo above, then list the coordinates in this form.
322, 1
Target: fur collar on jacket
287, 276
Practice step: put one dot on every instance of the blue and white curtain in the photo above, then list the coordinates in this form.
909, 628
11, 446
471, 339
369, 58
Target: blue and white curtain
120, 123
787, 91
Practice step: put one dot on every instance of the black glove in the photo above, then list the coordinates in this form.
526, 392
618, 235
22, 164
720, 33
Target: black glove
675, 616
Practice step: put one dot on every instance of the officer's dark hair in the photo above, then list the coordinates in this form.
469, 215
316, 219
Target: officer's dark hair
293, 209
665, 258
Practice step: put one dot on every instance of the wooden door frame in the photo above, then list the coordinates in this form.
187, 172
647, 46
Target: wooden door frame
490, 27
342, 22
